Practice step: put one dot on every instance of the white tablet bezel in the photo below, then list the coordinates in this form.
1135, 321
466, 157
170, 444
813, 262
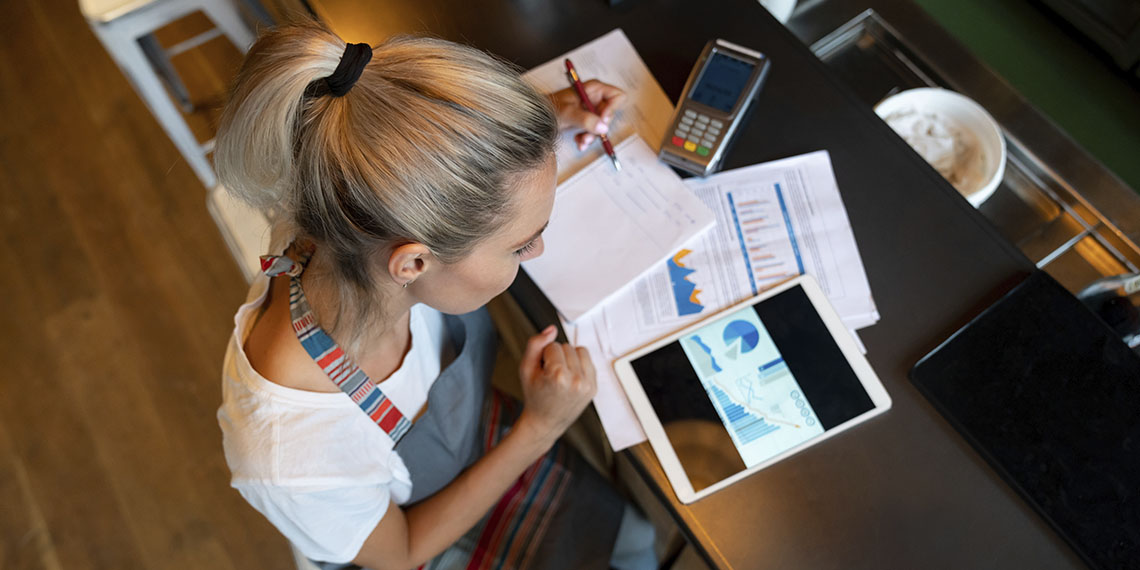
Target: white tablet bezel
655, 432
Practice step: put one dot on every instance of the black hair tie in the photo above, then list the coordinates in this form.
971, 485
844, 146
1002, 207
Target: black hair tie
351, 65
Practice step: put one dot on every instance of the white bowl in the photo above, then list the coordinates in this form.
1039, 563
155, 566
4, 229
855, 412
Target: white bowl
952, 132
780, 9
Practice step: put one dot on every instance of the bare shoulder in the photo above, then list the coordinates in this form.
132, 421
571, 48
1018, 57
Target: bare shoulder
273, 349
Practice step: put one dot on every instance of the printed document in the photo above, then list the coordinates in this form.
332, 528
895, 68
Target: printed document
611, 59
609, 227
773, 221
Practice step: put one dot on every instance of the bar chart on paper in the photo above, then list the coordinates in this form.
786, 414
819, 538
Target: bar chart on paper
764, 230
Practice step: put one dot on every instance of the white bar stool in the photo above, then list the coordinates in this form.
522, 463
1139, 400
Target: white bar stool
126, 28
245, 230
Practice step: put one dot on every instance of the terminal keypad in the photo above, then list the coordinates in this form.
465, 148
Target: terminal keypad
697, 133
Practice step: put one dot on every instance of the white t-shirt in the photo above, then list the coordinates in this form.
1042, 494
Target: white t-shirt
313, 463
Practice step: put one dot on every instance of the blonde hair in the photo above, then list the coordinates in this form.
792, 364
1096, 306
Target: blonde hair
421, 149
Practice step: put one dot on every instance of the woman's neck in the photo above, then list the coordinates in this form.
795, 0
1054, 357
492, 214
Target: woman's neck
378, 337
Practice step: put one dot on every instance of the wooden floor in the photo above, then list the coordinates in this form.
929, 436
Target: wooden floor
118, 300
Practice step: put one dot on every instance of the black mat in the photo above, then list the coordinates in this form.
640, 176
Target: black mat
1047, 394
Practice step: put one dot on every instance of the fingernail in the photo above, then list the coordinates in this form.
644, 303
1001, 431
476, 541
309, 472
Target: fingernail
602, 128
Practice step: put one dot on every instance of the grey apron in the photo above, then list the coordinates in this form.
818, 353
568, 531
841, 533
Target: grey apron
560, 514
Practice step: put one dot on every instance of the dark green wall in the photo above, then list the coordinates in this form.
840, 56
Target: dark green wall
1078, 89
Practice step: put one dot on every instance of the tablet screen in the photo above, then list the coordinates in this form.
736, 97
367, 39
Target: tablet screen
749, 386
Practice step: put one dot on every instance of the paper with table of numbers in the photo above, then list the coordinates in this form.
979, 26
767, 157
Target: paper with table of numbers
610, 227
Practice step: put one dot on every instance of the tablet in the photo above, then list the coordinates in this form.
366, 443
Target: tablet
749, 386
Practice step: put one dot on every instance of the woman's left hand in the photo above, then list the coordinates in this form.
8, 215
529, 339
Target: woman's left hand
572, 114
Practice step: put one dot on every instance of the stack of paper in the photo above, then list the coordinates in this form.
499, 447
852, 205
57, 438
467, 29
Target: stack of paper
774, 221
609, 227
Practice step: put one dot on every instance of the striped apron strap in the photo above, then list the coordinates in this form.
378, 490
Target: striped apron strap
331, 358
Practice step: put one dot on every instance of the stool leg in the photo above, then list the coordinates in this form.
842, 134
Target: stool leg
129, 56
227, 17
160, 61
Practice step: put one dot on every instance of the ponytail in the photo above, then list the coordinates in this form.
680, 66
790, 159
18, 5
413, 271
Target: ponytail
255, 143
420, 149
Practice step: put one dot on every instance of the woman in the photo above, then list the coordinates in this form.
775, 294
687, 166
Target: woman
410, 180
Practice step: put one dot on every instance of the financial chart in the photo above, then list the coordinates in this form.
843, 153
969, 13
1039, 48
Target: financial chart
685, 292
753, 390
767, 239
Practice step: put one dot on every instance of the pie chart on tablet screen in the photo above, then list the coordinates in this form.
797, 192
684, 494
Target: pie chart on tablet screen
744, 332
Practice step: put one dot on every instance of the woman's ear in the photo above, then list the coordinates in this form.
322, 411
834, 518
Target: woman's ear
407, 262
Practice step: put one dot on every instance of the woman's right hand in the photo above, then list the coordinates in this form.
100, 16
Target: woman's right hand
557, 382
572, 114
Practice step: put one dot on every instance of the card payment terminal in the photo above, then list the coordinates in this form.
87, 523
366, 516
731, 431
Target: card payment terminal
719, 90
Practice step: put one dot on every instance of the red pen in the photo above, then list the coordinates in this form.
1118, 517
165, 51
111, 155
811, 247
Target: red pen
577, 83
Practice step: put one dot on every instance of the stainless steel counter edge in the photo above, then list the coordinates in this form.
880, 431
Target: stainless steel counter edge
1088, 180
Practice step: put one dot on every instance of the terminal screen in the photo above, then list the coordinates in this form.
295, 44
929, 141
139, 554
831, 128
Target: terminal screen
722, 82
749, 386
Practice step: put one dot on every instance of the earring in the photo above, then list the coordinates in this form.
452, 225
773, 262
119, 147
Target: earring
406, 283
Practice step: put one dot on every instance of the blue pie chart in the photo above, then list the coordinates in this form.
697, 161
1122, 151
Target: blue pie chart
745, 332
